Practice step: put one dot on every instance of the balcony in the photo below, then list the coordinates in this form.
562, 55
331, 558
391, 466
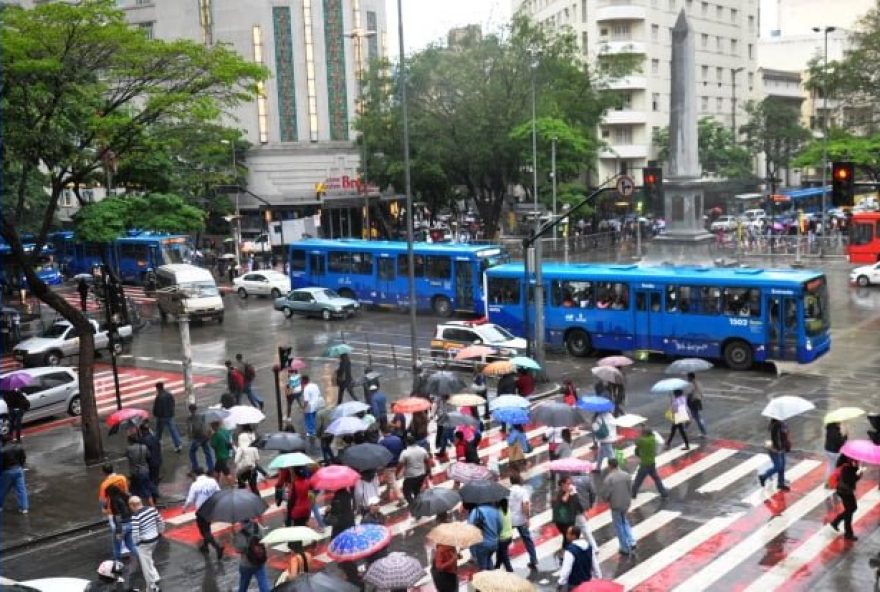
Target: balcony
620, 11
625, 151
626, 46
629, 83
630, 116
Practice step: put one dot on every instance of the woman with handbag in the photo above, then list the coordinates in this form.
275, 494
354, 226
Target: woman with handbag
566, 507
517, 447
679, 416
695, 402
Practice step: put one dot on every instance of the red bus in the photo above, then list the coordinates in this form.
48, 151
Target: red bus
864, 238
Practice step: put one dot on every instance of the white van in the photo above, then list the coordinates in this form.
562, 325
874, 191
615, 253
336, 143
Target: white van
754, 214
188, 289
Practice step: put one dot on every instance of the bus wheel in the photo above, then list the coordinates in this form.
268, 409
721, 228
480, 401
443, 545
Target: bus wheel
577, 342
346, 293
863, 281
442, 307
738, 355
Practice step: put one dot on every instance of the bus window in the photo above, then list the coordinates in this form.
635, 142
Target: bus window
362, 263
297, 260
573, 294
419, 268
338, 262
672, 300
710, 300
816, 307
504, 291
861, 233
92, 250
613, 295
438, 268
133, 251
317, 263
753, 303
386, 268
736, 302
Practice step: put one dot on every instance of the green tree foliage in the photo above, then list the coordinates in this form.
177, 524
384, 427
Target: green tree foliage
83, 91
719, 152
470, 115
774, 129
107, 219
863, 152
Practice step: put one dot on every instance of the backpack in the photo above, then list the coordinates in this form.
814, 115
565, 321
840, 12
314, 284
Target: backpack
562, 513
256, 551
834, 478
249, 372
603, 430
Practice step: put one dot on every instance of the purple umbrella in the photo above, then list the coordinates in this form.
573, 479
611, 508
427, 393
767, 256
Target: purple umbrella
14, 381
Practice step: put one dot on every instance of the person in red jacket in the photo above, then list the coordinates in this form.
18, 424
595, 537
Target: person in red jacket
234, 381
299, 503
525, 383
569, 393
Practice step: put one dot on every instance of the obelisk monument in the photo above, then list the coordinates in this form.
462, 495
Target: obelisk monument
685, 240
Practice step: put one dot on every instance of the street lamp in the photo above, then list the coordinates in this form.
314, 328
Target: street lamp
553, 176
359, 34
534, 65
825, 32
237, 227
733, 73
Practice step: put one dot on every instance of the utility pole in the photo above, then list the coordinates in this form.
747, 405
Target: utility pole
237, 227
553, 174
359, 34
183, 326
825, 31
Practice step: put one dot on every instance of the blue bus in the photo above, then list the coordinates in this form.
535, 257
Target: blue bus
11, 276
448, 276
130, 256
740, 315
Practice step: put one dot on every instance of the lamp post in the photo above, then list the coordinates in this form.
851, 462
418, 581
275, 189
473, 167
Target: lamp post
553, 175
237, 227
825, 32
733, 73
359, 34
534, 65
411, 280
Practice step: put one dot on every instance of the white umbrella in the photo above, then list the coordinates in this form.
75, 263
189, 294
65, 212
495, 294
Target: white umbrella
667, 385
243, 415
787, 406
687, 365
503, 401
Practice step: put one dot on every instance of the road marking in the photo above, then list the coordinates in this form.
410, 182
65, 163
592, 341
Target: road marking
761, 494
722, 481
642, 529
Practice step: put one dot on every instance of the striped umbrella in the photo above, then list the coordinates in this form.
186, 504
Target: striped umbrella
466, 472
395, 570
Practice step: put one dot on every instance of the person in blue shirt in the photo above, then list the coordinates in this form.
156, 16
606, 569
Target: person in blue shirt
395, 446
379, 407
518, 446
487, 518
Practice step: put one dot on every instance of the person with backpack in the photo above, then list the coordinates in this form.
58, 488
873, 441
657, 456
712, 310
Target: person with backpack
566, 507
221, 443
163, 411
294, 391
517, 447
248, 375
605, 433
138, 456
579, 563
344, 381
695, 402
117, 504
487, 518
199, 436
234, 381
844, 480
253, 556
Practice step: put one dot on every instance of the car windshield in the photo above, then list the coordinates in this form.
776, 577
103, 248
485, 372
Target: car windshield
55, 331
199, 289
816, 318
496, 334
326, 294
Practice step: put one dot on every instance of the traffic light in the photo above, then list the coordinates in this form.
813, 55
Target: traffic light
284, 356
842, 183
652, 187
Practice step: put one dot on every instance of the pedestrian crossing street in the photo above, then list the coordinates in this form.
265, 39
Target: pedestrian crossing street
718, 530
136, 293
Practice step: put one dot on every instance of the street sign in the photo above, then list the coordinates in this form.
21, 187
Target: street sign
625, 186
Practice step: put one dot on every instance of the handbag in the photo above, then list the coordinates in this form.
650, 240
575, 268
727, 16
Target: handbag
669, 416
515, 453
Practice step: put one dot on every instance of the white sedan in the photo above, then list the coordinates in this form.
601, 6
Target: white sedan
865, 275
262, 283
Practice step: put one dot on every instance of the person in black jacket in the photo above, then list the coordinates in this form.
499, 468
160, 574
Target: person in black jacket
846, 490
341, 512
163, 411
779, 446
149, 439
834, 440
12, 461
343, 379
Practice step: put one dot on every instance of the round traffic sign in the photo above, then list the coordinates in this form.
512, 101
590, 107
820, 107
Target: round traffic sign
625, 186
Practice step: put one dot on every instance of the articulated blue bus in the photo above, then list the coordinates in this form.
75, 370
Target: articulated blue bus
130, 256
740, 315
447, 276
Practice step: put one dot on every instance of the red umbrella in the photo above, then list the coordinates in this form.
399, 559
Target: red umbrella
411, 405
599, 586
334, 478
130, 415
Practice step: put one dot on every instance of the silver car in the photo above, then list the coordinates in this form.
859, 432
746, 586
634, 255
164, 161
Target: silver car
321, 302
54, 390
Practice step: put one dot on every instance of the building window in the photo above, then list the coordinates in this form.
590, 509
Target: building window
672, 5
751, 51
337, 97
262, 104
620, 32
311, 87
623, 135
655, 32
704, 40
718, 41
67, 198
719, 74
606, 133
719, 104
146, 29
719, 12
655, 66
373, 39
751, 23
624, 101
583, 11
655, 102
704, 104
734, 14
690, 4
704, 8
734, 47
704, 71
584, 42
206, 20
751, 80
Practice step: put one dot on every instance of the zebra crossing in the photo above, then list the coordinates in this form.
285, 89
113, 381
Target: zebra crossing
712, 533
137, 294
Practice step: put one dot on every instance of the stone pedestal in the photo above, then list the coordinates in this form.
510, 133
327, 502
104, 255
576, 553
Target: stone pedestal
685, 242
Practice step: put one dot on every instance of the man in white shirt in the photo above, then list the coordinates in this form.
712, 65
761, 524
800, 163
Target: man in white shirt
199, 492
415, 464
520, 510
312, 402
146, 526
578, 562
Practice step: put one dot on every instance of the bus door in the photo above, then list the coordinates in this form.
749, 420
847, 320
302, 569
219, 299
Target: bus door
464, 284
318, 269
647, 321
783, 324
386, 270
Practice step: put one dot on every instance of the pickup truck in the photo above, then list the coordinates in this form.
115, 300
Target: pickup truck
61, 340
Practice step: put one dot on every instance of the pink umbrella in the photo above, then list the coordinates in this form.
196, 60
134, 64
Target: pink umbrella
599, 586
571, 465
615, 361
474, 351
334, 478
466, 472
127, 414
467, 431
862, 451
297, 364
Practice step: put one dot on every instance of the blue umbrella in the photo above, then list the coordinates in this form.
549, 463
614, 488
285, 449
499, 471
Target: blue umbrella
511, 415
346, 425
502, 401
524, 362
667, 385
595, 404
334, 351
359, 542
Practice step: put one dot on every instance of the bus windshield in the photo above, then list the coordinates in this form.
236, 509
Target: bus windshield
199, 289
816, 318
176, 252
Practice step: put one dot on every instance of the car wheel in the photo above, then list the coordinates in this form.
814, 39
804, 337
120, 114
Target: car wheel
326, 314
275, 293
863, 281
53, 358
442, 306
738, 355
5, 425
242, 293
577, 342
347, 293
74, 409
288, 312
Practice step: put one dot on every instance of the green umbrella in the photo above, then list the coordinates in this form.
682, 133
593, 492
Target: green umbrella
291, 459
524, 362
334, 351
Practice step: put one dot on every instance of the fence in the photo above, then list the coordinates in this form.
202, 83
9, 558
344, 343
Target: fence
806, 246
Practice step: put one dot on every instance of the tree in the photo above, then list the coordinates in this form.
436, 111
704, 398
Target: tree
774, 129
107, 219
719, 152
81, 91
863, 152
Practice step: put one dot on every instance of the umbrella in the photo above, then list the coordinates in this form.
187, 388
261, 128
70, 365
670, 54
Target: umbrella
292, 534
243, 415
615, 361
466, 472
571, 465
334, 478
433, 501
668, 385
556, 415
595, 404
346, 425
688, 365
862, 450
456, 419
499, 368
509, 401
350, 408
466, 400
227, 255
291, 459
787, 406
468, 432
843, 414
455, 534
525, 362
281, 441
394, 571
359, 542
127, 415
212, 414
296, 364
499, 580
334, 351
483, 492
778, 226
443, 383
232, 505
16, 380
511, 415
411, 405
600, 586
366, 457
316, 582
474, 351
608, 374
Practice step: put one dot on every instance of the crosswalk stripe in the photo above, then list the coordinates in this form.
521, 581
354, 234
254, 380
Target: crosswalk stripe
722, 481
134, 399
642, 529
760, 494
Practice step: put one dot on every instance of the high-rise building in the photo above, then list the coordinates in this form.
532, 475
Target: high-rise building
726, 34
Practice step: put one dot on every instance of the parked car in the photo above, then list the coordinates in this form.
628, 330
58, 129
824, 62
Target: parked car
725, 223
319, 302
54, 390
60, 340
452, 336
262, 283
865, 275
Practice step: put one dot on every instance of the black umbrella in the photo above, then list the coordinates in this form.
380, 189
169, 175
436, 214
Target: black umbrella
444, 383
556, 415
433, 501
482, 492
281, 441
455, 418
232, 505
316, 582
366, 457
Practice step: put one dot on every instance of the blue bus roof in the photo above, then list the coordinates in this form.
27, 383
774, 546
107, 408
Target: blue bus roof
395, 246
130, 237
805, 192
748, 276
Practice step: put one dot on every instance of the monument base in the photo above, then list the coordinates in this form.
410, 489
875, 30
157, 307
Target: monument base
678, 248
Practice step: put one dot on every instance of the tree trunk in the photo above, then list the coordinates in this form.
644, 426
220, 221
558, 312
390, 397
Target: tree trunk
93, 447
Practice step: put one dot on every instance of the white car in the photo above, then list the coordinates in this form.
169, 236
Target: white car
725, 223
262, 283
452, 336
54, 390
865, 275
